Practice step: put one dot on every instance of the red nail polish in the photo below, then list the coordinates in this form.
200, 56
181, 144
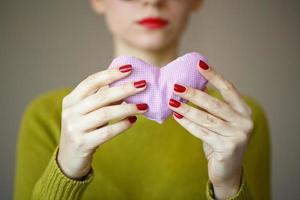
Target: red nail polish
203, 65
179, 116
179, 88
125, 68
132, 119
140, 84
142, 106
174, 103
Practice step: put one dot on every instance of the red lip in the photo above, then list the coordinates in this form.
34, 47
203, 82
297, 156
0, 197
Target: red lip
153, 22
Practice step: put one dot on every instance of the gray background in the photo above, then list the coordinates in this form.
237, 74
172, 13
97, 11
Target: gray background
255, 44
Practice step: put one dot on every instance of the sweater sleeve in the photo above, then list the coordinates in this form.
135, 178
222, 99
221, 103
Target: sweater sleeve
53, 184
242, 194
37, 174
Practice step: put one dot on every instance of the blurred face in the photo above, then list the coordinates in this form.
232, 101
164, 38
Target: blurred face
147, 24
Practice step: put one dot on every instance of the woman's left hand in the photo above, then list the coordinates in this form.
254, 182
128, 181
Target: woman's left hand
224, 128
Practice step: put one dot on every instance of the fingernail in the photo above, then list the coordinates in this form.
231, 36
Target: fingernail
203, 65
179, 116
125, 68
140, 84
132, 119
179, 88
174, 103
142, 106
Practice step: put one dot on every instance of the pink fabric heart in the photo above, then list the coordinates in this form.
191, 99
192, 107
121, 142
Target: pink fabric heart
160, 81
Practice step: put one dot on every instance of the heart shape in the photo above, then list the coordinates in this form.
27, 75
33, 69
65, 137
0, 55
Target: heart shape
160, 81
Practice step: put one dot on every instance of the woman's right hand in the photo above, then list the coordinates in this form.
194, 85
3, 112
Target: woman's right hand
86, 111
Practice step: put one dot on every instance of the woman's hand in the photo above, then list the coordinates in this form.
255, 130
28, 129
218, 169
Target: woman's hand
224, 128
86, 111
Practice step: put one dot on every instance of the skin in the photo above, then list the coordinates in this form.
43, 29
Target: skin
157, 47
224, 127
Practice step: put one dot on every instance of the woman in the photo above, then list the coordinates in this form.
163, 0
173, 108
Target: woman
62, 130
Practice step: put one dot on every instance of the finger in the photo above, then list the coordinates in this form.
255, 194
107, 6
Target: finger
101, 135
205, 135
207, 102
208, 150
106, 97
201, 118
105, 114
226, 88
95, 81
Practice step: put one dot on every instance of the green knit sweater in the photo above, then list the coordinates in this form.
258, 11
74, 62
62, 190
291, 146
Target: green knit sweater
147, 161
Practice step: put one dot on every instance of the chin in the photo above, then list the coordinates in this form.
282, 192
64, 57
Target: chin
151, 42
